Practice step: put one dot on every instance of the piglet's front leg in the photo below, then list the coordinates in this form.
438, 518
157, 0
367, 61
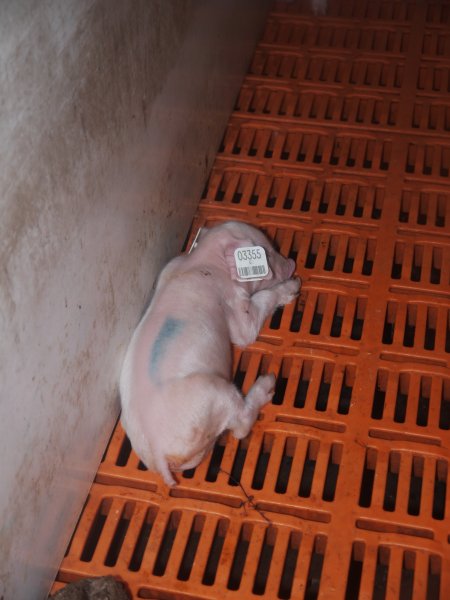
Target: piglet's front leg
248, 318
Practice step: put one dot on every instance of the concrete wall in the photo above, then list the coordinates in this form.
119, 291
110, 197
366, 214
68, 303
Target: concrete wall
110, 114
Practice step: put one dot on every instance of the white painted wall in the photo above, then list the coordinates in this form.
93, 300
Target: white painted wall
110, 115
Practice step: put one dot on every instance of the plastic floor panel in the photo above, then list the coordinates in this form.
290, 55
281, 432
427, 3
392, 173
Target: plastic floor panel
339, 148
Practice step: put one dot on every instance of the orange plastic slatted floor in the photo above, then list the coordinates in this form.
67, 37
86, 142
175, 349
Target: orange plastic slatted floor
339, 149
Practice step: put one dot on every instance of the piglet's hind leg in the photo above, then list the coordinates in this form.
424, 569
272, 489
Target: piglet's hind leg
260, 394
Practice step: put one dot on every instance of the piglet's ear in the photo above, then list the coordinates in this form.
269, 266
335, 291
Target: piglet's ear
229, 258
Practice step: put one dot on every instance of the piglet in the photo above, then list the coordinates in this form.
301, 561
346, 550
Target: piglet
176, 390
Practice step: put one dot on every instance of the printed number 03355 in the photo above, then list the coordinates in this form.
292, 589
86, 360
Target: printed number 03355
250, 254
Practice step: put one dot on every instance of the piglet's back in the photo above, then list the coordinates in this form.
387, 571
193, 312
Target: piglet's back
183, 332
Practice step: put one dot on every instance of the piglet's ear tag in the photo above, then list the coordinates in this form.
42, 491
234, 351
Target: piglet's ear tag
247, 263
195, 242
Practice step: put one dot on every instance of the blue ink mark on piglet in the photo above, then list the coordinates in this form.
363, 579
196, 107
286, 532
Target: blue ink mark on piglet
168, 332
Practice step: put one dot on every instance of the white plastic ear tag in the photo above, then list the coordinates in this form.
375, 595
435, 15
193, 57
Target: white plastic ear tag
251, 263
195, 243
